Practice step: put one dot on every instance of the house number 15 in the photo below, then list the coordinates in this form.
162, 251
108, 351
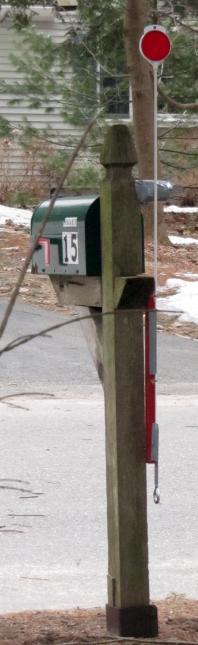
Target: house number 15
70, 248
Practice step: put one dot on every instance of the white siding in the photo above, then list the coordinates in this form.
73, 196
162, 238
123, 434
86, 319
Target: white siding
47, 23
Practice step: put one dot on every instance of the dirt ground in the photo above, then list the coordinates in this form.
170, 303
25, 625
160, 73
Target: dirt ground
173, 261
177, 619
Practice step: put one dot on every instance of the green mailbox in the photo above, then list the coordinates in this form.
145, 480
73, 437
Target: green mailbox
70, 242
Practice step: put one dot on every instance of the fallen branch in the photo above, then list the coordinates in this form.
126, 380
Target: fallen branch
22, 340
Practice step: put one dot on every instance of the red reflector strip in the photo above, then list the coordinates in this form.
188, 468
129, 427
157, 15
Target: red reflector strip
43, 241
149, 382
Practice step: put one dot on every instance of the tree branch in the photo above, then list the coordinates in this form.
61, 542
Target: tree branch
186, 26
176, 104
179, 152
44, 333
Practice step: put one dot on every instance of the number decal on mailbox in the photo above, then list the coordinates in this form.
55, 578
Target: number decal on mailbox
70, 248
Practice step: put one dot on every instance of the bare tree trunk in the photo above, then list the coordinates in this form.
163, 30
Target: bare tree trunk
142, 87
140, 74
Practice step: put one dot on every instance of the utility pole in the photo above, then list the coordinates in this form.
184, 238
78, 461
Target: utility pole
125, 293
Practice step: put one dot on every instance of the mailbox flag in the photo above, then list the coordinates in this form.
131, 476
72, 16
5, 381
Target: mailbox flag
45, 242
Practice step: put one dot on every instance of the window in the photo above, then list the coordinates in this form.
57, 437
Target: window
114, 92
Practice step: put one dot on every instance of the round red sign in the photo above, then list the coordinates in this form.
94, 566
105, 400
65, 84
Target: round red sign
155, 44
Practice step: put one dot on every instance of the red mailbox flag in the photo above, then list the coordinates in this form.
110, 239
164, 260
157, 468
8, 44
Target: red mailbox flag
155, 44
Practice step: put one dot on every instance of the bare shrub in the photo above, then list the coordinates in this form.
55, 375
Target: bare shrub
29, 170
22, 175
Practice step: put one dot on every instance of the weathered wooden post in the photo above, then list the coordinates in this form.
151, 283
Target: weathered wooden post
69, 251
124, 292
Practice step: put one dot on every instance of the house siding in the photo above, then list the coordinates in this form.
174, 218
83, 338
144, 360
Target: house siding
14, 165
11, 157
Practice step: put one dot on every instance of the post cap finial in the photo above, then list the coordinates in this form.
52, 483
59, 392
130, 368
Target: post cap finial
119, 149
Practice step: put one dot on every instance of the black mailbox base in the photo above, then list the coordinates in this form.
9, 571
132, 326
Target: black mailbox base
132, 621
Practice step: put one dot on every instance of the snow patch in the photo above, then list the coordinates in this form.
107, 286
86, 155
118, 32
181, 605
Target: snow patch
184, 301
16, 215
180, 209
184, 241
193, 276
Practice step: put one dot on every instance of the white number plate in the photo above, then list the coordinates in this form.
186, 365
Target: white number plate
70, 248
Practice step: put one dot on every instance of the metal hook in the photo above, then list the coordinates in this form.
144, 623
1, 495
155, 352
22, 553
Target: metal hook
156, 496
156, 493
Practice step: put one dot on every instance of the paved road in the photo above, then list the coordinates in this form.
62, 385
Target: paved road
62, 365
52, 481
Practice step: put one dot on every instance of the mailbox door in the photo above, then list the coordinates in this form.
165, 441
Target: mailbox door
70, 242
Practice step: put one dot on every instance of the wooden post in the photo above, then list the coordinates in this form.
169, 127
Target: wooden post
128, 611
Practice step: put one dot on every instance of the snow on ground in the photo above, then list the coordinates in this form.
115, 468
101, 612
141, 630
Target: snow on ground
16, 215
184, 301
183, 241
180, 209
187, 275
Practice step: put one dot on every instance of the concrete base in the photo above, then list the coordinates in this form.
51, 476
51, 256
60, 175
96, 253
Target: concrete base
132, 621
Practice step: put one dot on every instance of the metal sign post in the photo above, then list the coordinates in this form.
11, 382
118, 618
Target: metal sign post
154, 46
155, 173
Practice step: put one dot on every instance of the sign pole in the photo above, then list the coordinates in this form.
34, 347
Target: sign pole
155, 68
155, 47
156, 494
